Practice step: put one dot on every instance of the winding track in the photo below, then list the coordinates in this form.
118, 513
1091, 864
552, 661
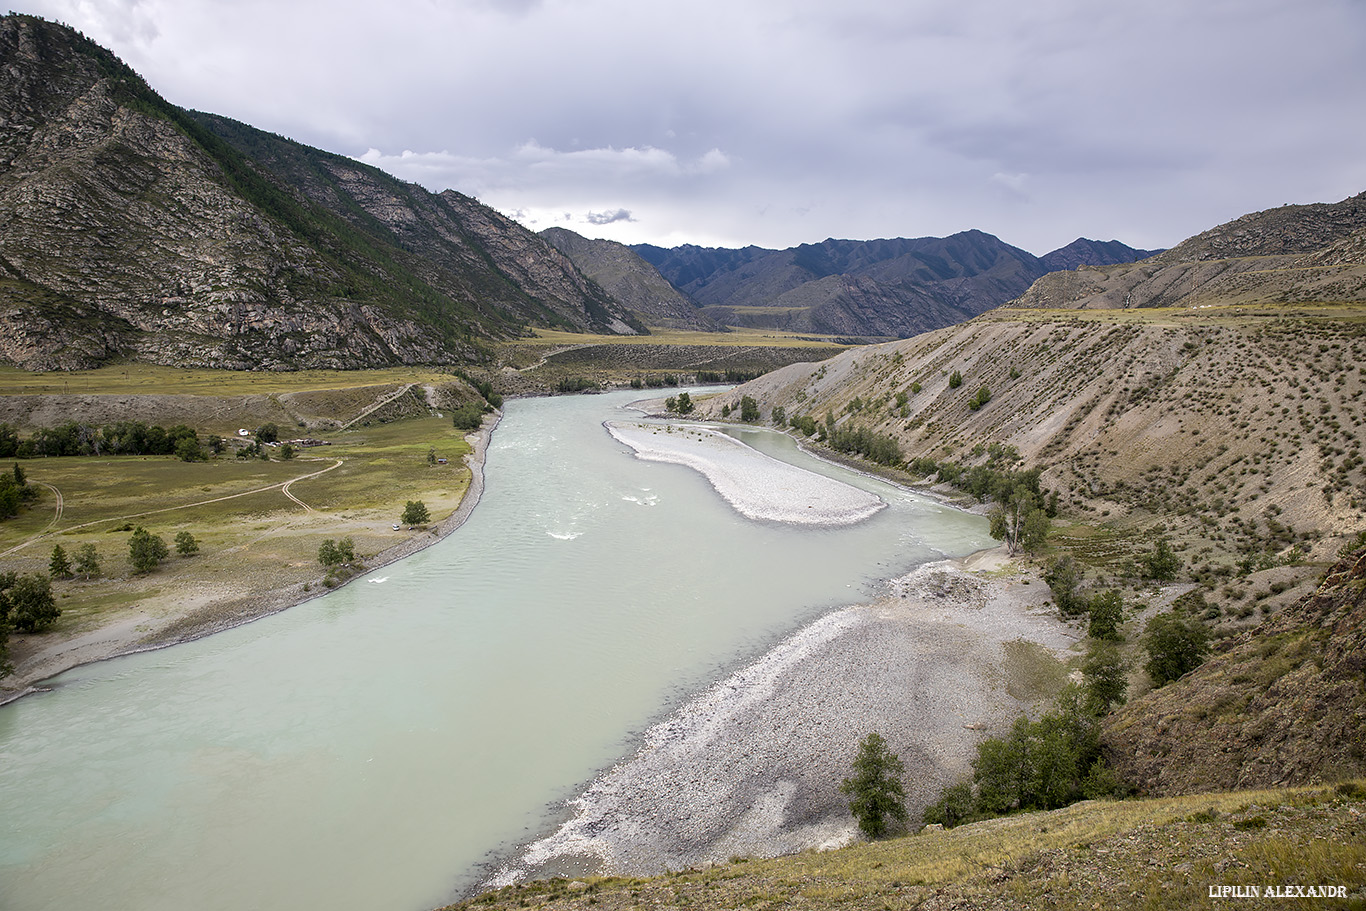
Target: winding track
283, 485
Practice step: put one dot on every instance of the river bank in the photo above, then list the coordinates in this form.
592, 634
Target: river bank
751, 766
212, 607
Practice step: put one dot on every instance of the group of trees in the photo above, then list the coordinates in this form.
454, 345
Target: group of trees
76, 438
27, 605
680, 404
15, 491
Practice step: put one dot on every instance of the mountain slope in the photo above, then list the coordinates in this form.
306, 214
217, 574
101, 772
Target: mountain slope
889, 287
129, 229
630, 280
1285, 703
1242, 427
1293, 253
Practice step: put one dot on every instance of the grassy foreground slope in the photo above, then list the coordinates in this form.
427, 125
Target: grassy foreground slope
1160, 853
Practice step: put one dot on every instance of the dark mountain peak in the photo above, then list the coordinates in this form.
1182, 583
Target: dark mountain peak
1085, 252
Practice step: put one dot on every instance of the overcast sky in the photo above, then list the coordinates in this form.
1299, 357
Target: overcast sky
779, 122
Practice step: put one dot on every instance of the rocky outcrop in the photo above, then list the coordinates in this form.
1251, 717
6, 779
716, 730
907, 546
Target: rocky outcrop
132, 228
1284, 705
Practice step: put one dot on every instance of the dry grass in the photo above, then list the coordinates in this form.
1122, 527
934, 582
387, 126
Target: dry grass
1144, 853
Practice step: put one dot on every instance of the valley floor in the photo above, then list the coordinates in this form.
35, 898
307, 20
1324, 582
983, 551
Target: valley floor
182, 612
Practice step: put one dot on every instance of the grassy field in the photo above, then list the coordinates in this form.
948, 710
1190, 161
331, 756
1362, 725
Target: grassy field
151, 379
254, 539
1156, 854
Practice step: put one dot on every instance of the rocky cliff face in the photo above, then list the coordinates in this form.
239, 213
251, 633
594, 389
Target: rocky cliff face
1285, 704
129, 228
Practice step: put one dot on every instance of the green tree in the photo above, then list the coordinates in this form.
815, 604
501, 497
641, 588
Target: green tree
59, 567
336, 553
87, 560
955, 806
685, 403
1107, 613
185, 544
955, 380
749, 409
1104, 676
267, 433
415, 513
27, 603
1063, 575
469, 416
981, 398
1018, 518
188, 450
1162, 563
146, 550
779, 416
876, 796
1176, 644
286, 452
431, 456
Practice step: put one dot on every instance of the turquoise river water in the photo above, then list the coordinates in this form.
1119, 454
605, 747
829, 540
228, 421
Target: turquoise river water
377, 748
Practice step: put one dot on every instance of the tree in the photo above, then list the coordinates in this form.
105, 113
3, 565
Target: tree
981, 398
1162, 564
1177, 644
955, 380
876, 796
469, 416
188, 450
779, 416
1104, 677
415, 513
87, 560
59, 567
267, 433
431, 456
28, 604
1063, 575
1018, 518
1107, 613
146, 550
185, 544
749, 409
286, 452
336, 553
685, 403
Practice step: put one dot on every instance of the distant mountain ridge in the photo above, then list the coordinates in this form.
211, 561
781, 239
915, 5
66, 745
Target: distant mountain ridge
131, 228
894, 287
631, 280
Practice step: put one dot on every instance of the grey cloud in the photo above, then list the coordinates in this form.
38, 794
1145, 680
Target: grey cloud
608, 218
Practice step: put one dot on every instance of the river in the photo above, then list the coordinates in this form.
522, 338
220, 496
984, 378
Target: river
381, 746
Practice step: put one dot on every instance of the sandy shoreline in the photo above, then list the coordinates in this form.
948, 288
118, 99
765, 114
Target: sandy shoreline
757, 486
752, 765
211, 614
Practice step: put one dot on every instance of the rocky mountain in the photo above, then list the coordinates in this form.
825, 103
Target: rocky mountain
890, 288
631, 280
1286, 702
1292, 253
132, 228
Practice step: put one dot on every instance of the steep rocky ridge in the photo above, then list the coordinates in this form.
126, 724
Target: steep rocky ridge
1285, 703
128, 229
889, 287
1284, 255
630, 280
